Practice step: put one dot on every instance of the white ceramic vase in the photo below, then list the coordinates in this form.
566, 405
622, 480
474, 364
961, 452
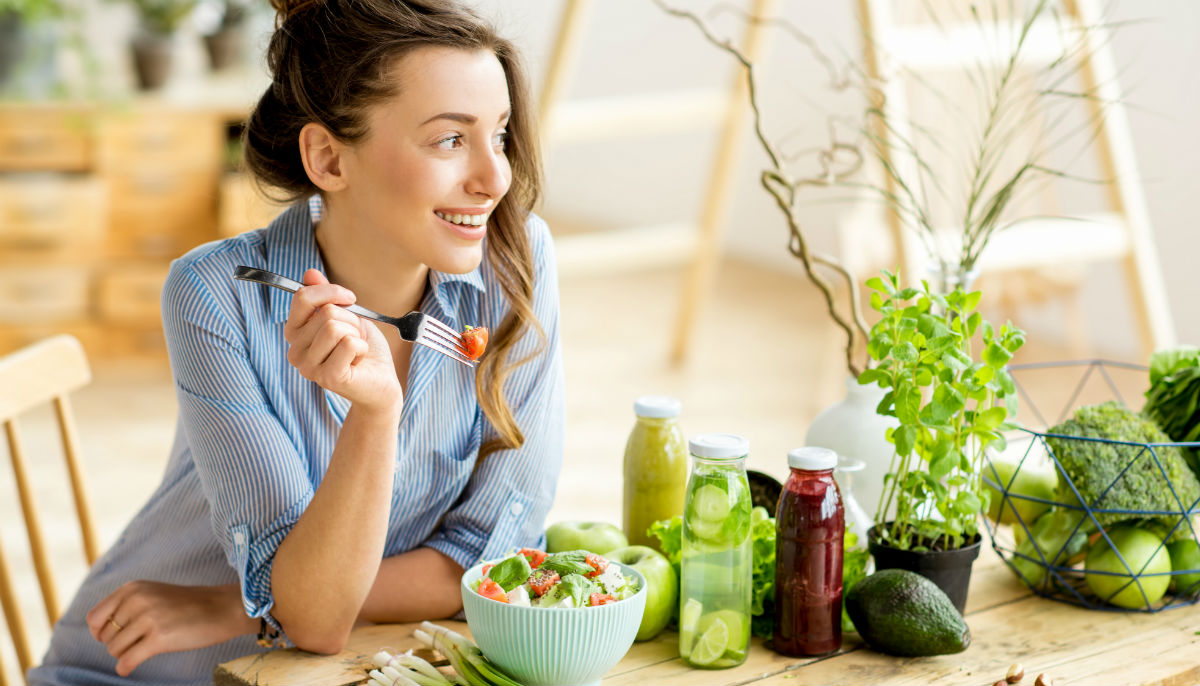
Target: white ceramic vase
853, 429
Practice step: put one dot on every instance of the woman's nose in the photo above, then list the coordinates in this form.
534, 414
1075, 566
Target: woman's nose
490, 173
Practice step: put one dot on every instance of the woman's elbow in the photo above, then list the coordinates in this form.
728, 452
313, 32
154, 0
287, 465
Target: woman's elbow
324, 640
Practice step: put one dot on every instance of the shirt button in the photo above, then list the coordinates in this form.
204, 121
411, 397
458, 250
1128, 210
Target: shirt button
516, 509
239, 538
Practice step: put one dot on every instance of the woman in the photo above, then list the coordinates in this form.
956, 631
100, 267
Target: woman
324, 470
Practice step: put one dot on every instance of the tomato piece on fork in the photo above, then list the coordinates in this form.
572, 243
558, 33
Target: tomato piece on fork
475, 339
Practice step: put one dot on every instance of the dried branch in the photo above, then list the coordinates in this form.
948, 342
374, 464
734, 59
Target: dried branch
784, 187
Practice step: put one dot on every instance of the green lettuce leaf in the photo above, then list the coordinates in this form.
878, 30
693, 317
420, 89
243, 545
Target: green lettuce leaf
578, 587
762, 582
854, 570
1167, 362
567, 562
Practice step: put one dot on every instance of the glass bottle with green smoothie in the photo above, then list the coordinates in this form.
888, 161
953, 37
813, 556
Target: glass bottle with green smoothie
655, 467
715, 588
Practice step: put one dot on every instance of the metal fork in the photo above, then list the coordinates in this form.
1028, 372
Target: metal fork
414, 326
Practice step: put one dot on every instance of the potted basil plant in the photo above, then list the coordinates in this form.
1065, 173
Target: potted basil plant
950, 408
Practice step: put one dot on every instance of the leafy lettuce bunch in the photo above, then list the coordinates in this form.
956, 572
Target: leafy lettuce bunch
1173, 399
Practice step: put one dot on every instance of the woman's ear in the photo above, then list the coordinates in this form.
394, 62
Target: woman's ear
322, 157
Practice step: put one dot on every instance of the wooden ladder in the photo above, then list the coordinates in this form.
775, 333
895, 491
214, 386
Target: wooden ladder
696, 243
1120, 232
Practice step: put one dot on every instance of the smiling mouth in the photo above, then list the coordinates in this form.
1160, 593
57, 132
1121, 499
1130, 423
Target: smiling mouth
463, 219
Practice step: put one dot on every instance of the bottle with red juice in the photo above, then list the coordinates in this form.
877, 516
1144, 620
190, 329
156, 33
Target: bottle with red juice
810, 526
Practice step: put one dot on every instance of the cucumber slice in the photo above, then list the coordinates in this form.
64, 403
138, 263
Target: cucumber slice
710, 503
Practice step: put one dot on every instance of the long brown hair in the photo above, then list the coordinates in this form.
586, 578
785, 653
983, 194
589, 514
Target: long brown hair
330, 60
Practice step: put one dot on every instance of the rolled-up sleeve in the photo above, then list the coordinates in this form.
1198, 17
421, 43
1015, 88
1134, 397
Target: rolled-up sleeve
251, 470
511, 491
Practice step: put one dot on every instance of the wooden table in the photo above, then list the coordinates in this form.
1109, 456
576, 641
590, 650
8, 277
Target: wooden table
1008, 624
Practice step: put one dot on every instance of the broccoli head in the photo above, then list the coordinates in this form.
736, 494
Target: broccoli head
1095, 465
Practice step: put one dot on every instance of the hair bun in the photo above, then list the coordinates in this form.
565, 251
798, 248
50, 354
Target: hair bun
286, 9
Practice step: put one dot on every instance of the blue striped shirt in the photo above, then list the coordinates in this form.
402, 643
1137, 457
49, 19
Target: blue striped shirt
254, 439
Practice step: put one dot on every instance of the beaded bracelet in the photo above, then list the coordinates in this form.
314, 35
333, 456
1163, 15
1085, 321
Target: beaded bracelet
268, 636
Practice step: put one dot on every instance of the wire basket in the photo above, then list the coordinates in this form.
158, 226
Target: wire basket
1073, 530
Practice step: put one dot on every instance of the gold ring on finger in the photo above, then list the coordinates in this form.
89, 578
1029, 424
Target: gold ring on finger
114, 623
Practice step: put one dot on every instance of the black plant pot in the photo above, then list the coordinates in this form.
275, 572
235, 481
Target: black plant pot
11, 43
950, 570
224, 48
764, 490
152, 57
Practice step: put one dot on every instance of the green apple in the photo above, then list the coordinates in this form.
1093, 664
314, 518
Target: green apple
594, 537
1034, 483
1185, 555
662, 586
1145, 555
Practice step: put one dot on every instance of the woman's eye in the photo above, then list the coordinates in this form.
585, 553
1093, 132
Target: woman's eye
450, 142
500, 140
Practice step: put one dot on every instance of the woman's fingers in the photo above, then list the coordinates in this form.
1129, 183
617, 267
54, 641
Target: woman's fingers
138, 653
120, 641
100, 619
323, 335
307, 301
341, 358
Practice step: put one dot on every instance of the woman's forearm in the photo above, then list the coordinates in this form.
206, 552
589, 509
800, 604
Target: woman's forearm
414, 586
327, 563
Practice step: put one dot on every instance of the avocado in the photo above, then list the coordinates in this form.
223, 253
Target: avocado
902, 613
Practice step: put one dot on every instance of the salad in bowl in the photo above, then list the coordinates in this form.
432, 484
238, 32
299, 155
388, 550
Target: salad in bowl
560, 619
570, 579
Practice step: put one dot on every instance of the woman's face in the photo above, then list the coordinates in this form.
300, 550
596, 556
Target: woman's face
432, 166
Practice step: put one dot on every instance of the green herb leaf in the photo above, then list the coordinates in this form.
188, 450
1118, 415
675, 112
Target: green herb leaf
567, 562
511, 572
996, 355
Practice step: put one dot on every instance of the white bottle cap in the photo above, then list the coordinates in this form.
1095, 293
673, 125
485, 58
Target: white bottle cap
812, 458
719, 446
657, 406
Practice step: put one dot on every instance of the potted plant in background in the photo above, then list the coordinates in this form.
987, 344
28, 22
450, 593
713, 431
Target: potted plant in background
23, 38
950, 408
224, 44
153, 44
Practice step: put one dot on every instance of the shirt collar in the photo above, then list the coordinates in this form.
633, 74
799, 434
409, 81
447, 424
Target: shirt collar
292, 250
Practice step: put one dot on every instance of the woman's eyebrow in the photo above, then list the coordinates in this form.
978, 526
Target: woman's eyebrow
468, 119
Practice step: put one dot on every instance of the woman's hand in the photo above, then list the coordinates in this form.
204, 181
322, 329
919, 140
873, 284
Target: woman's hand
338, 350
145, 618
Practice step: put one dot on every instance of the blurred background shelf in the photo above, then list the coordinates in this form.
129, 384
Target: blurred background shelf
96, 199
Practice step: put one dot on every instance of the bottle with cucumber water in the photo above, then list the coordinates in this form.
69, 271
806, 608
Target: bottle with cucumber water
715, 590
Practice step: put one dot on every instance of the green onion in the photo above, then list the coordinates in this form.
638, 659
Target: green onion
468, 661
405, 669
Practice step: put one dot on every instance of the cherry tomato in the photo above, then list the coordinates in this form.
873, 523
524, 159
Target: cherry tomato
475, 339
536, 557
598, 564
541, 581
600, 599
491, 589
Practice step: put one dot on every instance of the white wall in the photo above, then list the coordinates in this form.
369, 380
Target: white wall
631, 46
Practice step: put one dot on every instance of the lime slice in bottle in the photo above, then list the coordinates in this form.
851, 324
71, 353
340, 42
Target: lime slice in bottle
689, 618
710, 503
735, 624
711, 644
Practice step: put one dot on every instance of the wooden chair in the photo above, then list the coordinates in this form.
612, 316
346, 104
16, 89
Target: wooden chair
44, 372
